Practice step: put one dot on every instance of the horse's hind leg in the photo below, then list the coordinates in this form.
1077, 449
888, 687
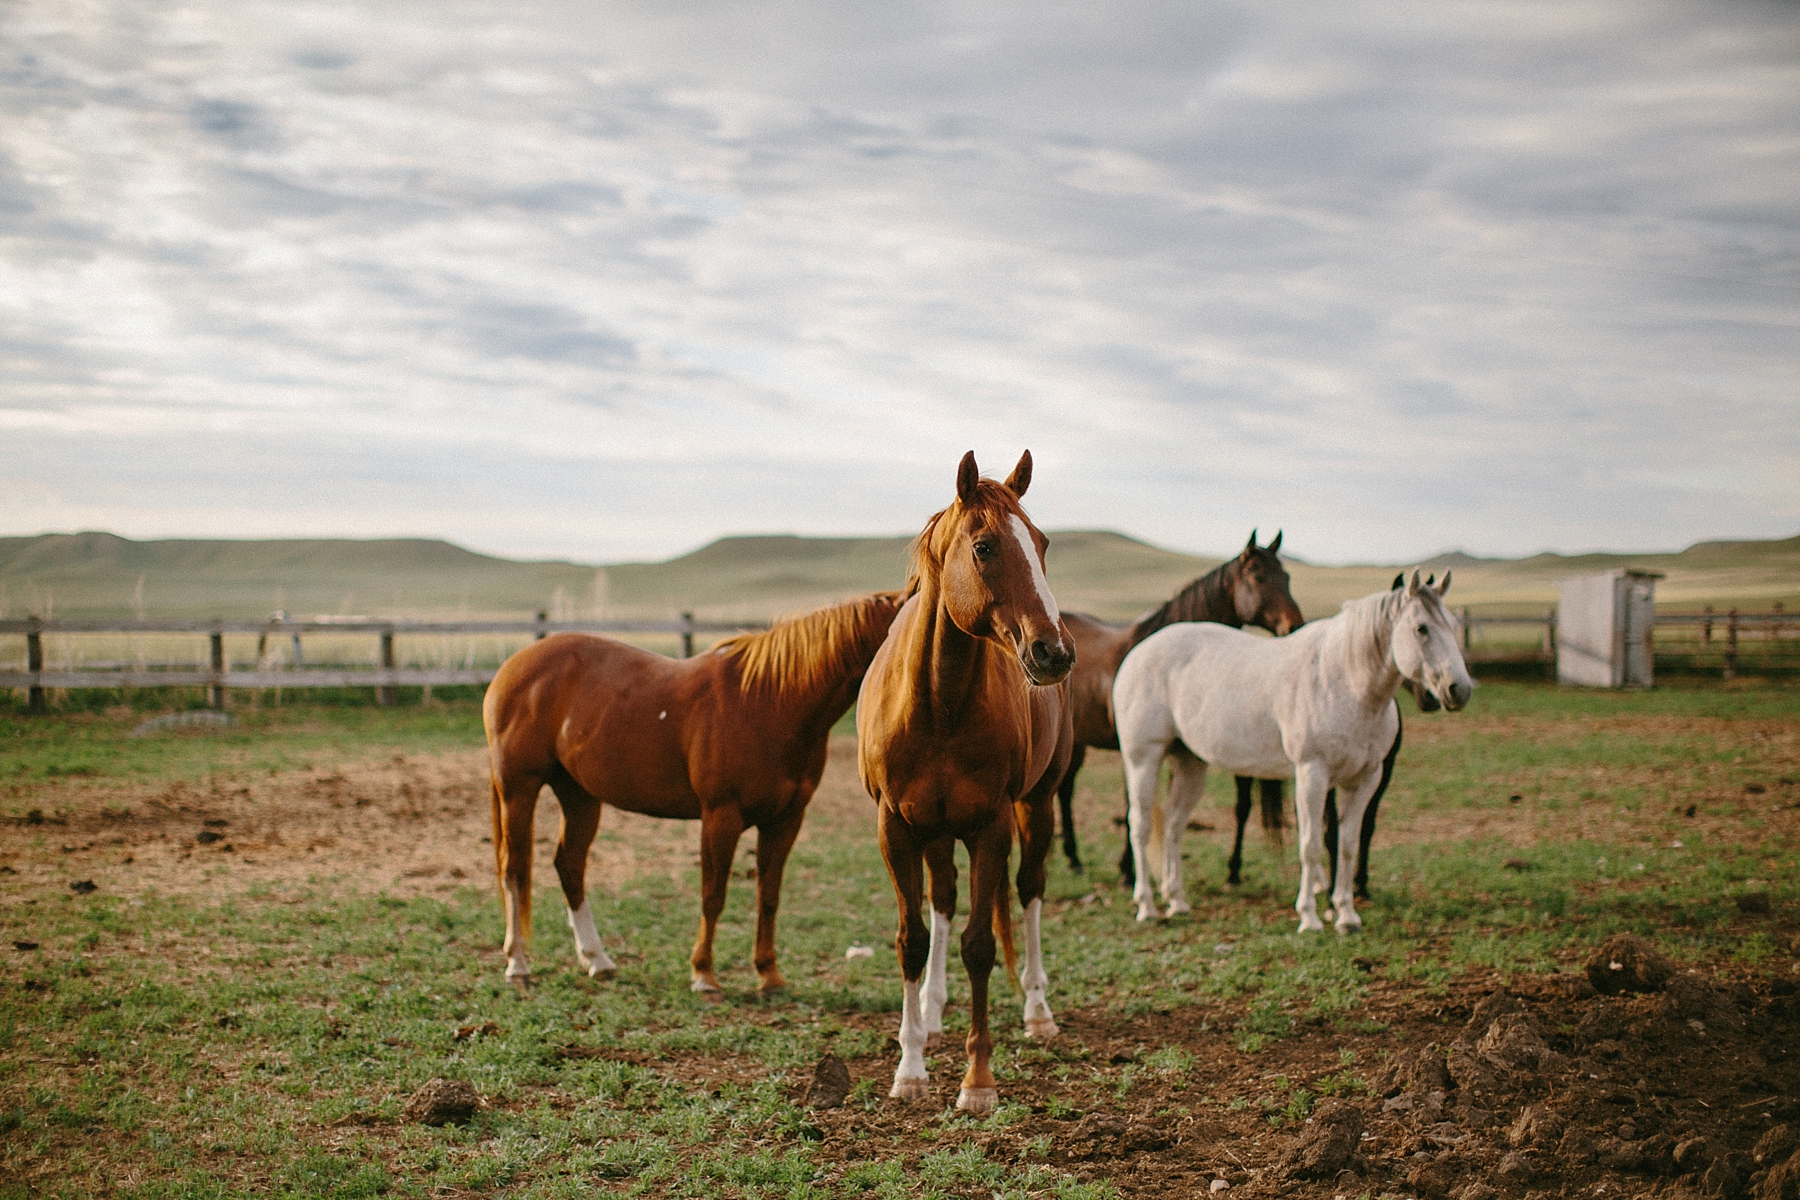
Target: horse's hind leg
720, 829
903, 855
1331, 837
1187, 784
580, 821
1033, 821
1065, 799
515, 804
1311, 781
1234, 868
1368, 821
773, 842
940, 863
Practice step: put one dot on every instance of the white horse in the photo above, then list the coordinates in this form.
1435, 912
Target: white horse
1317, 704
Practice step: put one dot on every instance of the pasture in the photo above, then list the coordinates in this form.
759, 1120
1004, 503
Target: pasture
293, 924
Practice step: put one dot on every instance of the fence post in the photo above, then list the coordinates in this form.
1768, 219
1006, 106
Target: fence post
687, 635
1706, 625
34, 662
218, 667
1467, 626
384, 694
1731, 644
541, 631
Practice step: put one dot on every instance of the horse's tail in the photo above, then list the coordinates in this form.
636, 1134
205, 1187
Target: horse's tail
497, 794
1272, 818
1003, 928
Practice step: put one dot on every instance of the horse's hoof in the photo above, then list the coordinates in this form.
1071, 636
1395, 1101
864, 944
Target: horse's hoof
1041, 1029
1146, 913
978, 1102
1311, 924
1349, 927
521, 984
603, 974
910, 1089
707, 990
1181, 910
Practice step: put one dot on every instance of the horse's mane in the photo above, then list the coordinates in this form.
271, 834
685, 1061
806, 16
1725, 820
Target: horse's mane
1371, 617
814, 650
1202, 600
925, 557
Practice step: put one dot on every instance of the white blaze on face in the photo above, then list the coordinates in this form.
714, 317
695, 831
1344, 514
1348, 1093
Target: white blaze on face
1023, 533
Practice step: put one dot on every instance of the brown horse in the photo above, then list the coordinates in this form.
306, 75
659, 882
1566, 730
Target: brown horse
1250, 589
734, 737
963, 731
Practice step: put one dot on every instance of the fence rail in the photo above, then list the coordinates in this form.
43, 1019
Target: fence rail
219, 677
1705, 640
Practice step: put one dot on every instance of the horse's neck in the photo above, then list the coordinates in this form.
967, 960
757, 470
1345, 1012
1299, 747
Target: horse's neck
947, 663
1360, 643
1208, 598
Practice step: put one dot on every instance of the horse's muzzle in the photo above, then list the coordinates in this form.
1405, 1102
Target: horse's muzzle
1457, 696
1046, 663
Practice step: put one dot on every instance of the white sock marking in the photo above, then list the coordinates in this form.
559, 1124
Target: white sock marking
937, 983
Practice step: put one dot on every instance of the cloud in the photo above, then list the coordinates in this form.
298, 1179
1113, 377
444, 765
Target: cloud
1498, 276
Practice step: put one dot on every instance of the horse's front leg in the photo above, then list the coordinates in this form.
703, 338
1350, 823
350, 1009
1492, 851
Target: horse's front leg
773, 842
1065, 798
1234, 869
1353, 797
988, 854
904, 855
1033, 821
580, 821
940, 863
720, 829
1142, 765
1186, 785
1312, 780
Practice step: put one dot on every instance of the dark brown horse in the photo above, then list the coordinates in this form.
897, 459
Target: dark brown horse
732, 738
1250, 589
963, 732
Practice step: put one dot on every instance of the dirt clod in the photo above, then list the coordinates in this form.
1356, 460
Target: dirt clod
831, 1083
1626, 962
1755, 903
442, 1102
1327, 1145
1775, 1145
1781, 1182
84, 887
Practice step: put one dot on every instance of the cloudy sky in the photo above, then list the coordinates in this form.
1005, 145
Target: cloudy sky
607, 280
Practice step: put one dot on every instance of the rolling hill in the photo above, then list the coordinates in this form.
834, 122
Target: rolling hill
103, 575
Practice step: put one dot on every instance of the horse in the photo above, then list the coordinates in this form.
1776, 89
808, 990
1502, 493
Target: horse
1318, 703
1250, 588
732, 738
963, 731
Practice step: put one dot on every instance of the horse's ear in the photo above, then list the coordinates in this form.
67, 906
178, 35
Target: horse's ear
1275, 545
1398, 580
1444, 586
1020, 479
1412, 585
967, 476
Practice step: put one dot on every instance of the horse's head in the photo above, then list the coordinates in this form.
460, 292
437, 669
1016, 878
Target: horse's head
1259, 589
1424, 645
990, 563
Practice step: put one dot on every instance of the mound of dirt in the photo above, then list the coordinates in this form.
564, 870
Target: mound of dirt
442, 1102
1628, 963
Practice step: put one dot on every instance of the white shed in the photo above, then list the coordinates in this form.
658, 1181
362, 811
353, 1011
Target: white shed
1603, 628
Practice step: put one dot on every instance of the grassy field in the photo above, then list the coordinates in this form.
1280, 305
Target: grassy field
247, 1014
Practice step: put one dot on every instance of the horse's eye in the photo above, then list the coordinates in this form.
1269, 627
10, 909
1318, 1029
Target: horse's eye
984, 549
1424, 631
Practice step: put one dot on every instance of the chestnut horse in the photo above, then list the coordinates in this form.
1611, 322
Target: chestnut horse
963, 732
1250, 589
733, 737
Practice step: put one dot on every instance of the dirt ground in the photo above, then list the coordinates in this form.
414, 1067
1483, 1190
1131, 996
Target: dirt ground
1545, 1087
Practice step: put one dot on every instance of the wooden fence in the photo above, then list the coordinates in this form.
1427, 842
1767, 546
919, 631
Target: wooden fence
1707, 641
218, 675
